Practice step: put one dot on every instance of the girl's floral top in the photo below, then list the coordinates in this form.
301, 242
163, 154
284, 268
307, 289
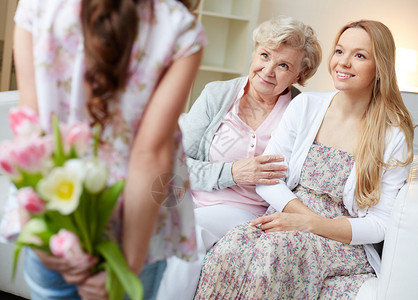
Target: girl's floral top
167, 32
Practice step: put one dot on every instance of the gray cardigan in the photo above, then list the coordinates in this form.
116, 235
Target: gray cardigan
200, 125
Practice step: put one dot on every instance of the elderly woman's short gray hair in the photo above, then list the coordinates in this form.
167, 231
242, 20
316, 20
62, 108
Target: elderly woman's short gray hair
295, 34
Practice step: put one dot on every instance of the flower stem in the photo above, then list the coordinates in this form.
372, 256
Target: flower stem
96, 136
93, 221
59, 156
83, 231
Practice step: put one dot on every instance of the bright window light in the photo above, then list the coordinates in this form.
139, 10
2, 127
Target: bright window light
406, 69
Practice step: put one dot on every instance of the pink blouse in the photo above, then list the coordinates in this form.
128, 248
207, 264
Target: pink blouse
235, 140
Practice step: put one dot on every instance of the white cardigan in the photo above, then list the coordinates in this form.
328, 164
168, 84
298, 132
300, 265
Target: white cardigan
293, 139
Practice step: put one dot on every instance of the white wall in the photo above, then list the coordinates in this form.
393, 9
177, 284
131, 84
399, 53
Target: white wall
328, 16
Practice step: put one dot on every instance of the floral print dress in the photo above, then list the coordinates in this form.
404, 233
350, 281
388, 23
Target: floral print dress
167, 32
250, 264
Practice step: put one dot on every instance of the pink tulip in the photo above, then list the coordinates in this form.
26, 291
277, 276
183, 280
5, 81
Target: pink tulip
33, 153
7, 161
77, 135
30, 200
24, 122
66, 244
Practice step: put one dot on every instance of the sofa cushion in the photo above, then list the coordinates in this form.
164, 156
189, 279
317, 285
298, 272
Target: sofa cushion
399, 271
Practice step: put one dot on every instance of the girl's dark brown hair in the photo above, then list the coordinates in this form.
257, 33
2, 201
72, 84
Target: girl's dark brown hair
110, 28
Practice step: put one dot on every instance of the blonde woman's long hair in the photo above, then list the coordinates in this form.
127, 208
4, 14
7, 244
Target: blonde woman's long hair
386, 110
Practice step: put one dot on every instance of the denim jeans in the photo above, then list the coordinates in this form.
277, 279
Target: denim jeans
151, 276
45, 284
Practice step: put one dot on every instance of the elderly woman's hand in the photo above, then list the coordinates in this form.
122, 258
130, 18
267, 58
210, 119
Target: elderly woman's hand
258, 170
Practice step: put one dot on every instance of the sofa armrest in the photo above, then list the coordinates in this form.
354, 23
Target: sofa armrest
399, 271
18, 286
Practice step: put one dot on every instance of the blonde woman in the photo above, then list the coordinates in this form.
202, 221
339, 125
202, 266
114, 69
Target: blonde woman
348, 153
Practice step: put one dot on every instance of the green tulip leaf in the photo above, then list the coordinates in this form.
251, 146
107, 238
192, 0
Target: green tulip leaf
28, 179
106, 204
113, 285
116, 262
18, 248
57, 221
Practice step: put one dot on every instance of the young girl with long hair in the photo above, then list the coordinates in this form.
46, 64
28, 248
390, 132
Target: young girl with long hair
127, 65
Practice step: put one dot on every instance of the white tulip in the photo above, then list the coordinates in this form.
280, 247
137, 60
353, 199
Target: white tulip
96, 175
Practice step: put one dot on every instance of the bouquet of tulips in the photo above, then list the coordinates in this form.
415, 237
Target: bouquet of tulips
66, 194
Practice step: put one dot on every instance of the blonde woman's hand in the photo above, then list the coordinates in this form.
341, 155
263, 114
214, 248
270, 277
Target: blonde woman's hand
285, 222
261, 169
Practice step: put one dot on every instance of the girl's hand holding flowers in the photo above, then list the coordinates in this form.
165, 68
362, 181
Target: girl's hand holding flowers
71, 274
93, 288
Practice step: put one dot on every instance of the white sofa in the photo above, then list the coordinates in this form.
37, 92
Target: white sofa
399, 274
18, 287
399, 270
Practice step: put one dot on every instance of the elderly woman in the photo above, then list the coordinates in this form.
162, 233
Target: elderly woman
227, 130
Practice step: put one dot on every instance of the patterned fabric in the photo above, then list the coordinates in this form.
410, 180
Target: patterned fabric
167, 32
250, 264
